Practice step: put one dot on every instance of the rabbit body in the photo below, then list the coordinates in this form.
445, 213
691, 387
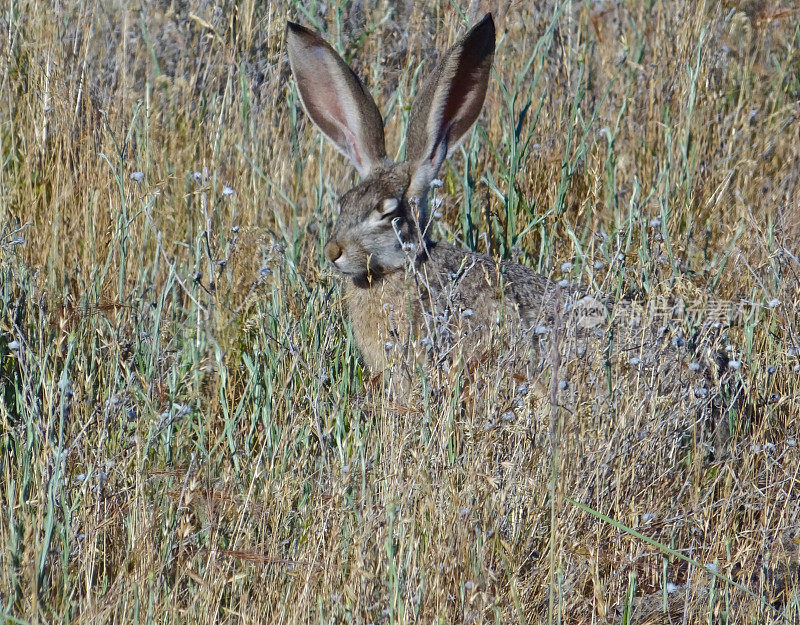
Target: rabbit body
450, 297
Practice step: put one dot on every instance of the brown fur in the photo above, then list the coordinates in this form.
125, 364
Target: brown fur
471, 293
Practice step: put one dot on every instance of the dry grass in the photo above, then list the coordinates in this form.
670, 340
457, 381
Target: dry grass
187, 434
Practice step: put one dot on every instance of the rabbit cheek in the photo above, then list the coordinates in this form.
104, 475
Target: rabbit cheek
384, 248
357, 260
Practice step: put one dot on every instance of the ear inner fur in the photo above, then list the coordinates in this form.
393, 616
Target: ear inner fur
449, 102
335, 99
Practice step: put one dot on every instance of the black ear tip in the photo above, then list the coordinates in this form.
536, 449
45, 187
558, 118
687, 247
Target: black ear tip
296, 29
480, 39
483, 31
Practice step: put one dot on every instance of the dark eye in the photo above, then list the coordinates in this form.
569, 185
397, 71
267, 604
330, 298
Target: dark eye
387, 208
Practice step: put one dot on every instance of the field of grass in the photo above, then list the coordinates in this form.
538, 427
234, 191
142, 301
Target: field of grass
187, 433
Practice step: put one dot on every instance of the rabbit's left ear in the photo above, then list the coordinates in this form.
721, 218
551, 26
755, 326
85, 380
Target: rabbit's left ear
335, 99
448, 103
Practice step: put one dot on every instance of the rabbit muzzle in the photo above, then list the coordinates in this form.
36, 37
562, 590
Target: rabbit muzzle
350, 260
333, 252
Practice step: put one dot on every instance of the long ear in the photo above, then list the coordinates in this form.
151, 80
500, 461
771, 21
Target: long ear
448, 103
335, 99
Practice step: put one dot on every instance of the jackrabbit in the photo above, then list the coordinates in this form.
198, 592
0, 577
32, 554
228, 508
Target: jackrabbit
402, 286
411, 298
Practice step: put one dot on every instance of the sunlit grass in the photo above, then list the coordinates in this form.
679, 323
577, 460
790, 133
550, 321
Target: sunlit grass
187, 432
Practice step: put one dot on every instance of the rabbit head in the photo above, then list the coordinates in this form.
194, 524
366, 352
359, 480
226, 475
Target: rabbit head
387, 210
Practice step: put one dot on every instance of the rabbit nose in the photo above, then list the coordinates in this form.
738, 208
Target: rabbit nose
333, 251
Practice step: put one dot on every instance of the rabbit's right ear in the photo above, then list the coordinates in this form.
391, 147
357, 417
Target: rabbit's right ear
448, 103
335, 99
